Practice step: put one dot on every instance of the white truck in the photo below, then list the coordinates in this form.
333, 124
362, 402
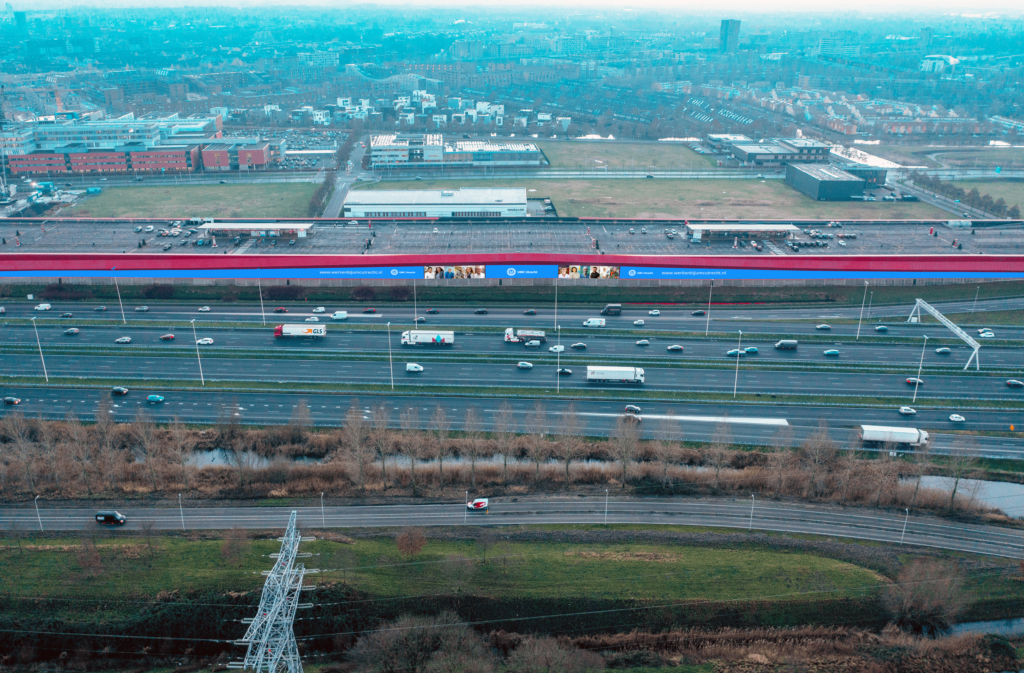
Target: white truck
879, 434
307, 331
594, 322
514, 337
429, 337
615, 375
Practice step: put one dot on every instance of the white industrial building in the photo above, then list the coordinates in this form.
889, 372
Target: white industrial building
436, 203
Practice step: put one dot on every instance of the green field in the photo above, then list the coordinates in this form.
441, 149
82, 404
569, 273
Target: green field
218, 201
1011, 191
615, 155
670, 199
948, 156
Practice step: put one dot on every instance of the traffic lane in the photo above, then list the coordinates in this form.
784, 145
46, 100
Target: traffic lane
343, 341
853, 523
755, 423
508, 374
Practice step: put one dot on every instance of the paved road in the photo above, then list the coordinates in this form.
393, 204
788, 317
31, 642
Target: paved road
856, 523
754, 424
341, 339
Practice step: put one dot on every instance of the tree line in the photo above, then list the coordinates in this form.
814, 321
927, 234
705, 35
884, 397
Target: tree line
972, 198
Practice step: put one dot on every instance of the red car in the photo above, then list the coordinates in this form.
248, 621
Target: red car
280, 309
167, 337
369, 310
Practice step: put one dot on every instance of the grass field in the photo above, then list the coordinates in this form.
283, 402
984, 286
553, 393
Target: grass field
954, 157
591, 154
667, 199
1011, 191
230, 201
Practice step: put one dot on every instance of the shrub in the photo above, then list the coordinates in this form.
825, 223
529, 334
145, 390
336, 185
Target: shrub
158, 292
927, 597
60, 292
400, 293
411, 541
364, 293
284, 292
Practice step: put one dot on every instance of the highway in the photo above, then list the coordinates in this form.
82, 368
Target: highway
748, 423
342, 340
861, 524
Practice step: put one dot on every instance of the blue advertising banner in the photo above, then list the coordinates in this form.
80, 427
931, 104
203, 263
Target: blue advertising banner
664, 273
522, 271
361, 273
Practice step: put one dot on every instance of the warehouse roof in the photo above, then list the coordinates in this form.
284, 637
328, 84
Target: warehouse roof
742, 227
762, 149
258, 226
826, 172
423, 197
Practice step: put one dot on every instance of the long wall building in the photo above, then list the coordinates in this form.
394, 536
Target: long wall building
400, 203
415, 150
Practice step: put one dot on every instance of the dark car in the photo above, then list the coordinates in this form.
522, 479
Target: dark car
480, 311
119, 390
110, 518
65, 315
432, 311
565, 371
167, 337
632, 409
369, 310
12, 400
71, 332
529, 312
697, 313
100, 308
280, 309
1013, 383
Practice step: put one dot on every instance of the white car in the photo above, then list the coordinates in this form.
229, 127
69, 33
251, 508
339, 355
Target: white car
984, 329
525, 365
957, 418
205, 341
339, 315
312, 318
435, 230
123, 340
824, 327
842, 243
643, 342
413, 367
142, 309
319, 309
654, 312
986, 335
533, 343
148, 229
204, 309
557, 349
42, 307
908, 411
638, 323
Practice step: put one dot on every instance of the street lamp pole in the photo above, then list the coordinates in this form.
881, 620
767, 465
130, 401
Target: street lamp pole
904, 533
919, 365
975, 305
736, 381
262, 310
750, 525
201, 378
415, 310
41, 359
606, 506
707, 323
118, 288
37, 514
181, 512
871, 298
862, 309
558, 360
391, 362
465, 510
323, 521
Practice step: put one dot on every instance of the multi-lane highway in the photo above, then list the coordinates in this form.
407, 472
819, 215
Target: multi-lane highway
853, 523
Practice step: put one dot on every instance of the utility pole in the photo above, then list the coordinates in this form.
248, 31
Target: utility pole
862, 309
203, 380
919, 365
707, 323
262, 310
181, 512
739, 347
391, 362
37, 514
36, 330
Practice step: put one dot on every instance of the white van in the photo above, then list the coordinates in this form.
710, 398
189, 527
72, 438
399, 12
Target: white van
593, 322
413, 367
339, 315
43, 307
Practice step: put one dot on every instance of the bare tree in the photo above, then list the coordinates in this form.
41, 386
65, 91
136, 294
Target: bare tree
505, 431
235, 546
181, 448
415, 644
541, 655
440, 427
148, 528
485, 541
668, 447
778, 459
537, 445
459, 569
355, 438
885, 472
471, 431
847, 465
382, 437
570, 436
110, 456
920, 464
147, 448
959, 464
300, 422
19, 430
411, 541
410, 422
625, 439
717, 455
79, 449
48, 445
817, 454
927, 597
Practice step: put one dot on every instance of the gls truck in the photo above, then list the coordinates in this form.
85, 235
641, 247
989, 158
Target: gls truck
306, 331
878, 434
633, 375
428, 337
523, 335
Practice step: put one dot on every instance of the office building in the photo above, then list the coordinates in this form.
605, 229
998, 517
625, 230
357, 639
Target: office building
729, 41
401, 203
823, 183
431, 149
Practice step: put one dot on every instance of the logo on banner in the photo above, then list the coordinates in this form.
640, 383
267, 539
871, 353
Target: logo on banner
394, 272
632, 272
511, 271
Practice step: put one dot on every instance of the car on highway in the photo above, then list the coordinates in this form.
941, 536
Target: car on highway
142, 309
319, 309
832, 352
204, 309
530, 311
137, 229
339, 315
100, 308
984, 329
564, 371
638, 323
557, 349
579, 346
432, 311
736, 353
823, 327
42, 307
632, 418
413, 367
110, 518
123, 340
986, 335
205, 341
420, 319
312, 318
12, 400
943, 351
1013, 383
167, 337
280, 309
118, 390
675, 348
643, 342
525, 365
697, 313
750, 350
478, 505
532, 343
480, 311
881, 328
957, 418
369, 310
149, 229
71, 332
155, 399
908, 411
654, 312
632, 409
65, 315
912, 381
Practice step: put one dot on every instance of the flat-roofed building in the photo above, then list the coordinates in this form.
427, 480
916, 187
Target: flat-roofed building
781, 151
400, 204
769, 230
431, 149
824, 183
725, 141
260, 229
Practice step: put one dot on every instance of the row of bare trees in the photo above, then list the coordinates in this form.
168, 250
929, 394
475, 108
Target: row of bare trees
384, 450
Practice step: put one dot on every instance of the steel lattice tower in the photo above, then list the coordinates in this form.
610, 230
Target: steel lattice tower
270, 638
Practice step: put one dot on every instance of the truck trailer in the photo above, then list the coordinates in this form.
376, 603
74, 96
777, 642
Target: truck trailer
417, 337
523, 335
633, 375
787, 344
305, 331
878, 434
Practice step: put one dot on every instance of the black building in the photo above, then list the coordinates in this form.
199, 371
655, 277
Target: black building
823, 182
